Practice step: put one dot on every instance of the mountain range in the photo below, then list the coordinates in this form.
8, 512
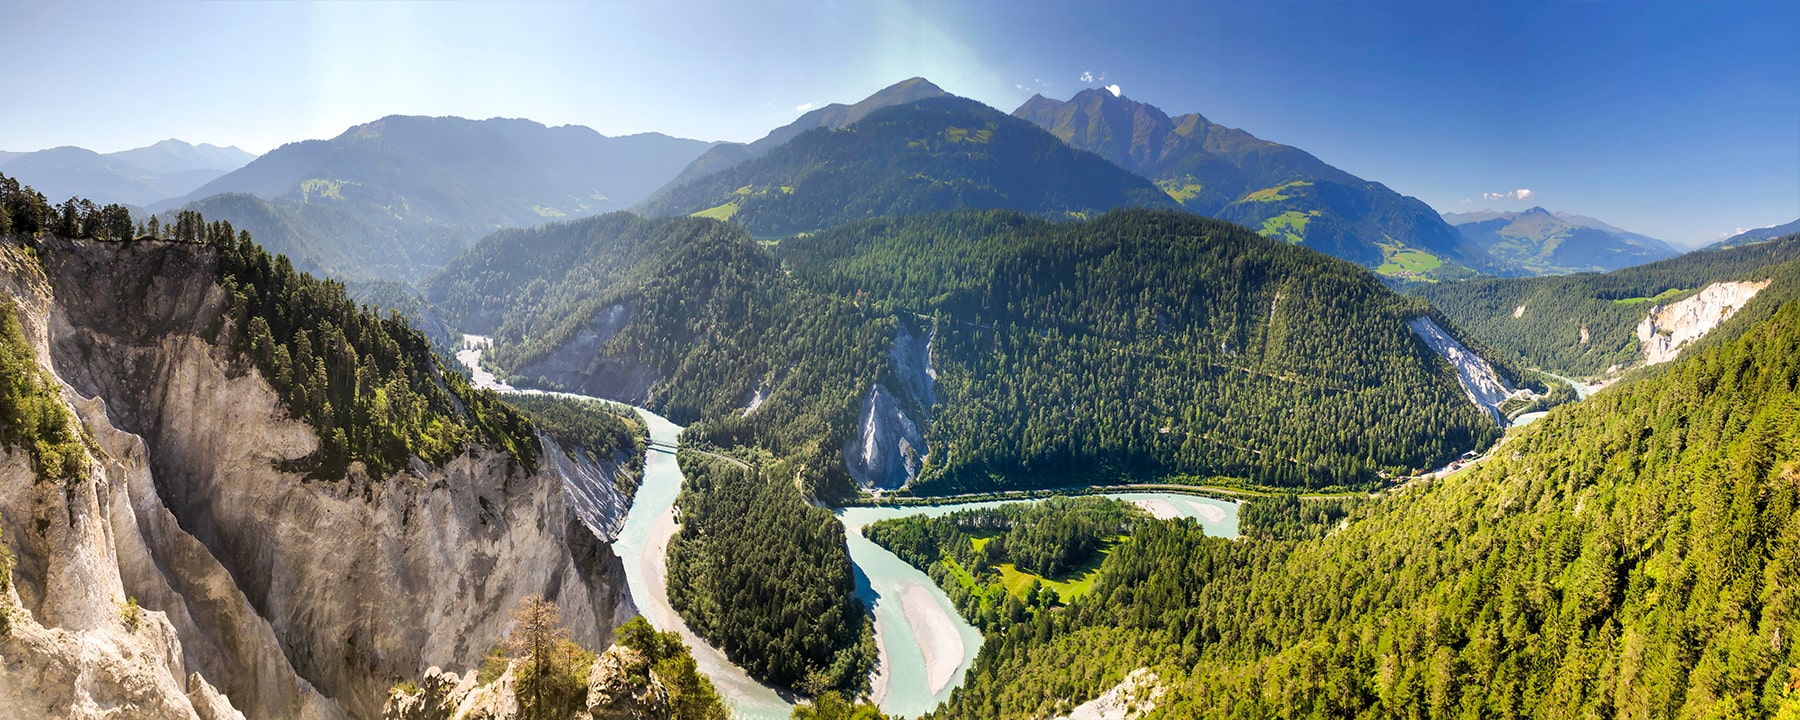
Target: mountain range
1281, 191
1750, 237
398, 197
940, 153
136, 177
1545, 242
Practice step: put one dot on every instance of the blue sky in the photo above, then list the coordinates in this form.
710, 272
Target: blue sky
1677, 120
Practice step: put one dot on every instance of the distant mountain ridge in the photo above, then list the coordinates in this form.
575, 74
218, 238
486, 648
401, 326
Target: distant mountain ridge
1559, 242
140, 176
936, 154
1282, 191
1759, 235
400, 196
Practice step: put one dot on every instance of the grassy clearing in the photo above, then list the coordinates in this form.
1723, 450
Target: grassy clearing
719, 212
1662, 297
958, 135
1181, 190
1289, 226
1275, 194
321, 188
1077, 583
1406, 262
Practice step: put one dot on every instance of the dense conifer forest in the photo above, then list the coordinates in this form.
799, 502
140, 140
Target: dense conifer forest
1635, 555
1148, 344
764, 576
970, 553
1140, 344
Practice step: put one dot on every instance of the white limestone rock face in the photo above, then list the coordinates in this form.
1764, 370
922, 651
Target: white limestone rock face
1134, 697
70, 649
591, 487
888, 449
912, 365
1484, 387
1668, 329
264, 591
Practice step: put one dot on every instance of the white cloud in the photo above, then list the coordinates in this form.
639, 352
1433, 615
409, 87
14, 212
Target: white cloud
1115, 90
1466, 201
1087, 77
803, 107
1737, 232
1519, 194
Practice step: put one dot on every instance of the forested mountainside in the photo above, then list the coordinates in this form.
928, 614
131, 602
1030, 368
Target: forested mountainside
1281, 191
894, 332
399, 197
1174, 345
939, 153
831, 117
1545, 242
1587, 324
269, 500
1635, 555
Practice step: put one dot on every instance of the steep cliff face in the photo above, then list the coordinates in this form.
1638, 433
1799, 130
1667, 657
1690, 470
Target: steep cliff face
580, 366
73, 645
1668, 329
294, 597
888, 449
1485, 388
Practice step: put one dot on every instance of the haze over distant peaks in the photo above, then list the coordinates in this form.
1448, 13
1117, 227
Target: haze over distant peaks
1758, 235
170, 156
132, 177
1282, 191
397, 197
1557, 242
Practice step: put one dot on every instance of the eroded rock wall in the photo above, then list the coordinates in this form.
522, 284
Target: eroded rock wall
295, 597
1670, 328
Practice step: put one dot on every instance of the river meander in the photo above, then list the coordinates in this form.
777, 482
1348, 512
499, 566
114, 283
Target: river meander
926, 647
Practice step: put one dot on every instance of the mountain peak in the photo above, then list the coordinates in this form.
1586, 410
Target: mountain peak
910, 90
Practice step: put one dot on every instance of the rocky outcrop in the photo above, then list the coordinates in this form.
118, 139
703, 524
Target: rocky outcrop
1484, 387
620, 686
614, 693
284, 596
1134, 697
912, 365
888, 449
591, 487
1667, 329
582, 366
